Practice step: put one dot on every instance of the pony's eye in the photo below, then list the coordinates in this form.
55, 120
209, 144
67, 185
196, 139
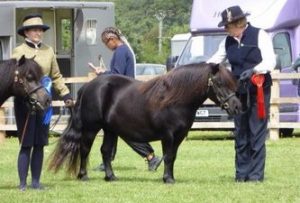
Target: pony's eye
29, 77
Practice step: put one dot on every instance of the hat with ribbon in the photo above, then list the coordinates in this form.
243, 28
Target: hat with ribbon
232, 14
32, 21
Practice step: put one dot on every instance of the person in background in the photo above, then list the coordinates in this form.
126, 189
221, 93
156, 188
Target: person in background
123, 62
250, 53
32, 132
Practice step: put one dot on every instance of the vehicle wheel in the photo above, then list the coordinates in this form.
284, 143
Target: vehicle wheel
286, 132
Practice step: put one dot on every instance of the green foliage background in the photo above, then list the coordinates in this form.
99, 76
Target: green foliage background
136, 19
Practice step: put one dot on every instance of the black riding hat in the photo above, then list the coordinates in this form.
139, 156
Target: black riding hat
231, 14
32, 21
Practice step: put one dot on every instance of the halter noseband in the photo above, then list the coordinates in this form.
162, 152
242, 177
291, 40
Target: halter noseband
33, 102
223, 100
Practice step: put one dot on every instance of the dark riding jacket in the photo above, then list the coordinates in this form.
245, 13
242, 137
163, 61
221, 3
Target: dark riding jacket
245, 55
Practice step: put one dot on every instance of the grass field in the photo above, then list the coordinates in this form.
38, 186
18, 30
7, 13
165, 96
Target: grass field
204, 172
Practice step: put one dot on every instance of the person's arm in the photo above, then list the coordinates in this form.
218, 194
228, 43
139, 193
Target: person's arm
220, 55
59, 84
57, 79
119, 62
117, 66
265, 45
97, 69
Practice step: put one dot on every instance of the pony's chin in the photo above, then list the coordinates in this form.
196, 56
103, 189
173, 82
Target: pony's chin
234, 111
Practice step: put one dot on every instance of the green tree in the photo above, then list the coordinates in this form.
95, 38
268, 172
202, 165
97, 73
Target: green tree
137, 20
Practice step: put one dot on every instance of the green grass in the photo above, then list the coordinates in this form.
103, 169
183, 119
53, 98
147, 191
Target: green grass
204, 172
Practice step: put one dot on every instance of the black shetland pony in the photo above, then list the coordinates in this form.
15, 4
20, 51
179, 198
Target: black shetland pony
22, 78
161, 109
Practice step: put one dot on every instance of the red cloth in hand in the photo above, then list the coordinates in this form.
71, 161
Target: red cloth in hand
258, 81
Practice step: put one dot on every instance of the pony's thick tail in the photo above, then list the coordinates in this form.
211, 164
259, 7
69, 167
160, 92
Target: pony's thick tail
67, 150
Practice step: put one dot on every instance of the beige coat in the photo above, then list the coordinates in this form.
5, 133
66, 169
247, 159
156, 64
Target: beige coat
46, 58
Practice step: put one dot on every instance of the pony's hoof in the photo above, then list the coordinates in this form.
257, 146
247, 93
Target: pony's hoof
169, 180
83, 177
110, 178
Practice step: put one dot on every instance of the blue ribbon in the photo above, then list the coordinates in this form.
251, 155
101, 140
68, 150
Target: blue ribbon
47, 84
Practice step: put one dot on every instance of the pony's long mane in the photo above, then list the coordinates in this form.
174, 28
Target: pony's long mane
182, 83
7, 68
30, 66
225, 77
177, 86
7, 74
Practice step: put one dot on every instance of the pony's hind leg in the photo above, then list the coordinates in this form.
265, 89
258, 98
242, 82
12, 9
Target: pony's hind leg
87, 140
109, 140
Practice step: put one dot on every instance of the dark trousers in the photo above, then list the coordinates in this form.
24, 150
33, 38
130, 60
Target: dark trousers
33, 136
31, 130
250, 137
32, 156
143, 149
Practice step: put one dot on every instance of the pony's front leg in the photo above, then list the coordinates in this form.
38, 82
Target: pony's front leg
109, 140
170, 147
87, 140
167, 145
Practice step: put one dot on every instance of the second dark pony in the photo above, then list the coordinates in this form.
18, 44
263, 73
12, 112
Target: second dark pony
22, 78
161, 109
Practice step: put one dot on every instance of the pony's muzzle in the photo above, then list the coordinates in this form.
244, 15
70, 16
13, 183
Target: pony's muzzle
40, 105
234, 106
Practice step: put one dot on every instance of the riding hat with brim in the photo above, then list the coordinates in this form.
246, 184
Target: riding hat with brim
30, 22
231, 15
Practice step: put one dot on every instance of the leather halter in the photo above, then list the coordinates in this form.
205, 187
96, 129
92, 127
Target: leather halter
223, 100
32, 101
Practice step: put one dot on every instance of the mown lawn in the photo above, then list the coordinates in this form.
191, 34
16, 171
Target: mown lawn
204, 172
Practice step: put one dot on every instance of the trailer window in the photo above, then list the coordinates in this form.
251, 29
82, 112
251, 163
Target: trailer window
282, 48
91, 32
200, 48
66, 34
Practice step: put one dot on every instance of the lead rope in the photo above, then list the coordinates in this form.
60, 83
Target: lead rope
25, 128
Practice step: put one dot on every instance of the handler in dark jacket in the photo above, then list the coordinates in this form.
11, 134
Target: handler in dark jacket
250, 52
32, 132
123, 62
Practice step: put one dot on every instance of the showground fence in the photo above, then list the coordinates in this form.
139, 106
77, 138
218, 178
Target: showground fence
274, 121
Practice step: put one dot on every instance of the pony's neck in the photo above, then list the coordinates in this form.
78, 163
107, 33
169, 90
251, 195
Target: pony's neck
7, 70
201, 84
191, 85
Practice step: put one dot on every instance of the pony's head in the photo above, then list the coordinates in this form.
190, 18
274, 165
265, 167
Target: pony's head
27, 83
222, 87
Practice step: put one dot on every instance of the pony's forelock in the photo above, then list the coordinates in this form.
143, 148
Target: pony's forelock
31, 67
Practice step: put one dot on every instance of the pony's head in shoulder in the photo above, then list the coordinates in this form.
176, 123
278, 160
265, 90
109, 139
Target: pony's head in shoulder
23, 79
224, 75
29, 68
222, 87
191, 84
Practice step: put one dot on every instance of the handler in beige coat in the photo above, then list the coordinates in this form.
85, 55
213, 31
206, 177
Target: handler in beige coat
33, 132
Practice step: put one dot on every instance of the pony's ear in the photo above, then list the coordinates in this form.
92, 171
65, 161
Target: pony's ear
21, 61
214, 68
33, 57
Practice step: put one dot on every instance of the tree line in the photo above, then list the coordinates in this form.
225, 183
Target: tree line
139, 22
